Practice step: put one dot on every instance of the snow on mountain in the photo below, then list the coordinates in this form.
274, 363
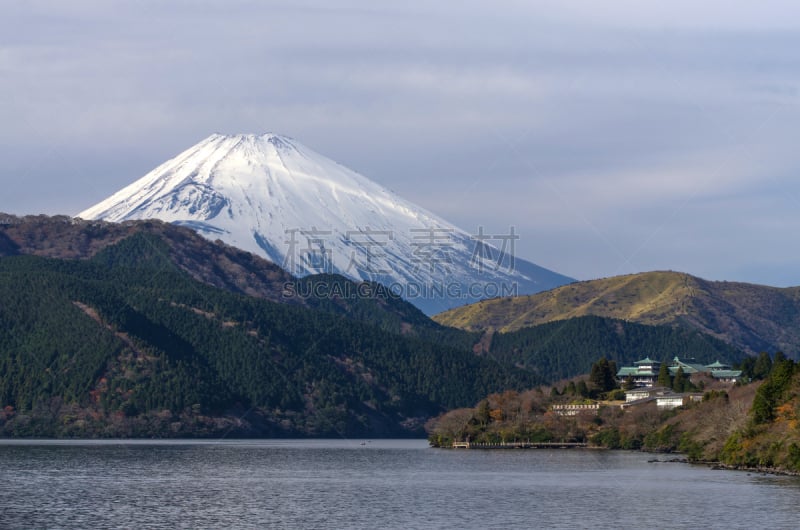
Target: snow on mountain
271, 195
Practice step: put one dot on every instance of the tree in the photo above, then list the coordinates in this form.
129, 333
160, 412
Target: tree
763, 406
451, 426
629, 383
603, 375
763, 366
582, 388
679, 383
482, 412
746, 366
664, 378
772, 392
779, 358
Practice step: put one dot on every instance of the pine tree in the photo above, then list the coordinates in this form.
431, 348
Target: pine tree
482, 412
746, 366
663, 376
603, 375
778, 359
763, 366
679, 383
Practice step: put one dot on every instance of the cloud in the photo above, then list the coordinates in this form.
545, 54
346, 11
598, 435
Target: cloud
717, 15
609, 133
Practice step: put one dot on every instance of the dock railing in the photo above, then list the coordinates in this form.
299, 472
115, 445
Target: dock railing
518, 445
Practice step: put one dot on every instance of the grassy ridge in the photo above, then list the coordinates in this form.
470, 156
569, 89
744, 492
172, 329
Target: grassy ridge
648, 299
751, 317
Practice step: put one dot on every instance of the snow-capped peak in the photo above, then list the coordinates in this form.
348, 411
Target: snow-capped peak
271, 195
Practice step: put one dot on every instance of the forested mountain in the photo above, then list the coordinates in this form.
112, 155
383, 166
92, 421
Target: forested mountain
213, 263
127, 344
567, 348
147, 329
751, 317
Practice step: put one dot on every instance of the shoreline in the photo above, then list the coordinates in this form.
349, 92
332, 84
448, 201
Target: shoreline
712, 464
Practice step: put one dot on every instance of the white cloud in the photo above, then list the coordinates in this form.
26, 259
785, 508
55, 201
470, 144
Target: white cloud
609, 132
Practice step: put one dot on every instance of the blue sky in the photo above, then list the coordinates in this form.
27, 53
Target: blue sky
615, 137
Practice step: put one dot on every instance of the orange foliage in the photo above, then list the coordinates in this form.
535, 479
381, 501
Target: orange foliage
784, 412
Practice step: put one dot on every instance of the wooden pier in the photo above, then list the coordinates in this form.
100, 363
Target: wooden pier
519, 445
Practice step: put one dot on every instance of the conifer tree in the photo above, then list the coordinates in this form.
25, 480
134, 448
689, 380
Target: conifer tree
482, 412
763, 366
679, 383
778, 359
603, 375
664, 378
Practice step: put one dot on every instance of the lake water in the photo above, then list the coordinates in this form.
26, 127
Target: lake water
381, 484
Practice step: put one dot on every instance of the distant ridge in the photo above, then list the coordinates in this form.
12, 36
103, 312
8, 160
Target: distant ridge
272, 196
752, 317
211, 262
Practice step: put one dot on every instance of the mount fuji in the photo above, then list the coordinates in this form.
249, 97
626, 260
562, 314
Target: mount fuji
272, 196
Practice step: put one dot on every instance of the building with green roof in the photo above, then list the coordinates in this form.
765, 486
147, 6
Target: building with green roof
644, 373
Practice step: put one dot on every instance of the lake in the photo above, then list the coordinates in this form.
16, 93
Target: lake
380, 484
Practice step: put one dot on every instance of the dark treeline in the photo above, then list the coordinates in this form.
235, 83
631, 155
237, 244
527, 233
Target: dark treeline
567, 348
167, 342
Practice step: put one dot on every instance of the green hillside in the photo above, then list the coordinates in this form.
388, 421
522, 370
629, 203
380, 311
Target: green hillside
128, 344
567, 348
771, 437
146, 329
213, 263
751, 317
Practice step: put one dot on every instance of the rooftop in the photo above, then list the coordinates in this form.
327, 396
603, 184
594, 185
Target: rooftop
646, 360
